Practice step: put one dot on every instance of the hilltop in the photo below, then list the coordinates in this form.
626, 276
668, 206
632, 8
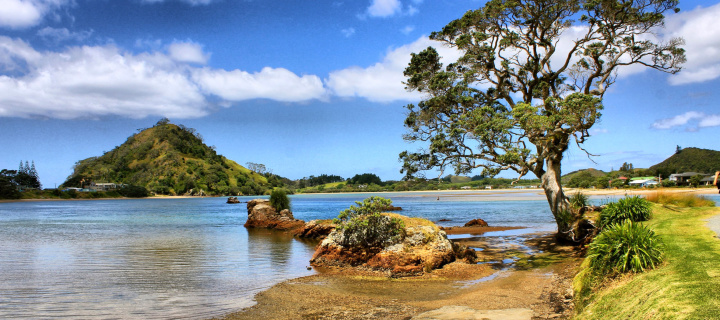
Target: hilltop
170, 159
587, 174
689, 159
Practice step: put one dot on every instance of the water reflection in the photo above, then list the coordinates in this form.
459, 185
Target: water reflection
173, 259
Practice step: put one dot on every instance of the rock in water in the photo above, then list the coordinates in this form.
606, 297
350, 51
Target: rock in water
476, 223
233, 200
421, 247
262, 215
315, 230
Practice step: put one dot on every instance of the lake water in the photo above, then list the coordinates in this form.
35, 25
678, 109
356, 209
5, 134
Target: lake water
185, 258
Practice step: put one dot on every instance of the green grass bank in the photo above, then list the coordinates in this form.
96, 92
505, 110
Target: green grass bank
686, 286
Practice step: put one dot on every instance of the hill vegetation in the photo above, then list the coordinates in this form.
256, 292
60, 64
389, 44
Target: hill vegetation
173, 160
689, 160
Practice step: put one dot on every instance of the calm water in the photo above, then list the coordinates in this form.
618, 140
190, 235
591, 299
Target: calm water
183, 258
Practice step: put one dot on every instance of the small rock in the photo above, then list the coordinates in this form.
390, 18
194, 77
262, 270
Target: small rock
476, 223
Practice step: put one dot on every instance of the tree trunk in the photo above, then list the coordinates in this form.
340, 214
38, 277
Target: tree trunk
572, 227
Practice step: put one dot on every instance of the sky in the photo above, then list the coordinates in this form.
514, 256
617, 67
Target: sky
304, 87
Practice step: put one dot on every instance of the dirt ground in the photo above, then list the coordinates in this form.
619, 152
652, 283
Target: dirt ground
535, 275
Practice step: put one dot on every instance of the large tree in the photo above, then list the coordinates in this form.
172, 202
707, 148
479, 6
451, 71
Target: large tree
525, 88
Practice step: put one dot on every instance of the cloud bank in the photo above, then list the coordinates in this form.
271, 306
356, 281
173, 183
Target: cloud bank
20, 14
96, 81
700, 28
693, 118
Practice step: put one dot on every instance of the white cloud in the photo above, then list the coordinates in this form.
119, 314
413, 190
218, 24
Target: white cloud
63, 34
597, 131
189, 51
384, 8
710, 121
382, 82
348, 32
276, 84
18, 14
96, 81
700, 28
704, 120
407, 29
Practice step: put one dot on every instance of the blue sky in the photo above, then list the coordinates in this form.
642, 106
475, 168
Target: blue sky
304, 87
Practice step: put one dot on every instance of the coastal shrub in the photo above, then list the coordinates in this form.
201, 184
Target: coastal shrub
363, 225
132, 191
624, 247
680, 199
578, 200
632, 208
279, 199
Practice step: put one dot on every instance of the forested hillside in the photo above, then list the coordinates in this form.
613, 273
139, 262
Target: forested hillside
171, 159
689, 159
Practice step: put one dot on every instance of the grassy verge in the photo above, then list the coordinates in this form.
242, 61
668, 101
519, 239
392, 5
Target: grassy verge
687, 286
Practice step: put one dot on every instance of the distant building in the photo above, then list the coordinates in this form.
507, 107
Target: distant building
103, 186
684, 177
643, 182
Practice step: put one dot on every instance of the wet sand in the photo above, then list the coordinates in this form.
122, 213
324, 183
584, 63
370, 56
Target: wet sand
490, 285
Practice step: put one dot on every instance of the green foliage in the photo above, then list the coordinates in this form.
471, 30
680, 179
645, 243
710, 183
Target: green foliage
632, 208
279, 199
8, 187
688, 160
132, 191
367, 206
364, 226
579, 200
365, 178
503, 106
624, 247
171, 159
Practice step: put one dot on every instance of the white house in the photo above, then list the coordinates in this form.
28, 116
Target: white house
643, 183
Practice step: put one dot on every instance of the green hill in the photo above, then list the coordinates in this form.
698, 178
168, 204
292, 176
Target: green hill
689, 159
585, 174
170, 159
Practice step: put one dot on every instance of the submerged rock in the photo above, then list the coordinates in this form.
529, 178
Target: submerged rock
420, 247
262, 215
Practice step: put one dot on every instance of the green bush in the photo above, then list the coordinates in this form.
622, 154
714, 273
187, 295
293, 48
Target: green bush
279, 199
630, 208
624, 247
133, 191
363, 225
578, 200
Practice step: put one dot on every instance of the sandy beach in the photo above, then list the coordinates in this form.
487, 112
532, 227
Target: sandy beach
490, 290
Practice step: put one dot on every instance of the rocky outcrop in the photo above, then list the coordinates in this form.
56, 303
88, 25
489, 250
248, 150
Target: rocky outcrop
476, 223
420, 248
262, 215
315, 229
232, 200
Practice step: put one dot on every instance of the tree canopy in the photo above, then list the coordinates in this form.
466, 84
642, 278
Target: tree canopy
524, 88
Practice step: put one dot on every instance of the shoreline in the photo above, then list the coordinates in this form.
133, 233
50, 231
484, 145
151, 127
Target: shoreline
448, 193
488, 287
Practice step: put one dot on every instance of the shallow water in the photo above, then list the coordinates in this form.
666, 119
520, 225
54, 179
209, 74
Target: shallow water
187, 258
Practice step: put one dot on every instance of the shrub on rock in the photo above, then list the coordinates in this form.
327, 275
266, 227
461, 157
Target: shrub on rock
400, 245
279, 199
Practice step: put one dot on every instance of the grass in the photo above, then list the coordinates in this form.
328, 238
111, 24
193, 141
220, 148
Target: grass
687, 286
679, 199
